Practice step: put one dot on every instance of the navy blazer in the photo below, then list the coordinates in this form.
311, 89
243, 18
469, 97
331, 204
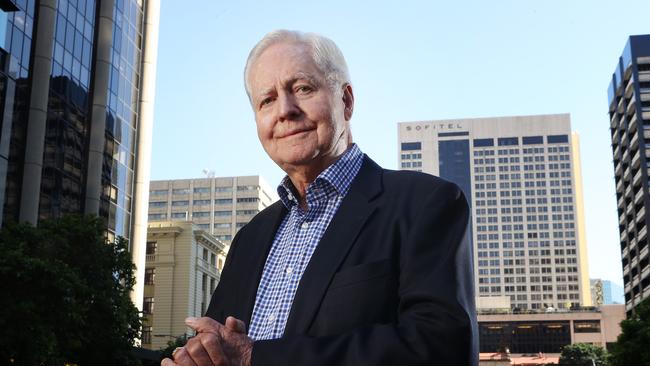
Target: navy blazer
390, 283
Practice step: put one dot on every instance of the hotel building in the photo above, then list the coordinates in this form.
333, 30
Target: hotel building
521, 177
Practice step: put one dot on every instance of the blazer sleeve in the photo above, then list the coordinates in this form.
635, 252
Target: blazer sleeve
436, 322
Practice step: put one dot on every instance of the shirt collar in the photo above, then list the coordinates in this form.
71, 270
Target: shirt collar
339, 176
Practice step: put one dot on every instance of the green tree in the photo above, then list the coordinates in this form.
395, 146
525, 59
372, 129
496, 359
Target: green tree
65, 294
632, 347
583, 354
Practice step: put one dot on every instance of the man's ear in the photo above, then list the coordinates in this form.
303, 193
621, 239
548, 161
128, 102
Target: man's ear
348, 101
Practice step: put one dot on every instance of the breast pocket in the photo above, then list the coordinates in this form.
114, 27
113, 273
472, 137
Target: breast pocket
357, 296
360, 273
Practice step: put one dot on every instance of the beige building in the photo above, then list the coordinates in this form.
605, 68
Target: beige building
531, 333
218, 205
183, 266
521, 176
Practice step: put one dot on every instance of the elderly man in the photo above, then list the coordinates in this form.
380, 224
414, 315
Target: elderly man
355, 265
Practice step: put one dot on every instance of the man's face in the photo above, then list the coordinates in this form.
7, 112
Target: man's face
301, 122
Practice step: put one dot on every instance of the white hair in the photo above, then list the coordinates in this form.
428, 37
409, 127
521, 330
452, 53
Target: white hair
326, 55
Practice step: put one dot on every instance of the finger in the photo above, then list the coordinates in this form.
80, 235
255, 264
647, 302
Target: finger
212, 345
183, 358
167, 362
204, 325
197, 352
235, 325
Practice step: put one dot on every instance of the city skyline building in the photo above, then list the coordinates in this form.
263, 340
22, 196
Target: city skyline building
79, 79
521, 176
183, 268
218, 205
605, 292
628, 95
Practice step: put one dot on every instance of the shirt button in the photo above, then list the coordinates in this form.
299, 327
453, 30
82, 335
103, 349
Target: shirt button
304, 225
271, 318
289, 270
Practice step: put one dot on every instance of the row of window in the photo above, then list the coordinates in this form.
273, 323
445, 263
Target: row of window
218, 201
181, 191
415, 164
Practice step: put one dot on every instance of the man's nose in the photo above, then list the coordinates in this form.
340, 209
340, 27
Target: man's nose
288, 108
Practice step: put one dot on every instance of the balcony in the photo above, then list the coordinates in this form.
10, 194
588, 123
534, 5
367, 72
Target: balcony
642, 235
634, 141
631, 105
636, 159
151, 258
613, 123
638, 197
619, 185
643, 253
619, 107
615, 136
206, 266
621, 203
636, 180
640, 213
629, 88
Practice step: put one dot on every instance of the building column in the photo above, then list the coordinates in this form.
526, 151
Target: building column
37, 116
101, 82
143, 156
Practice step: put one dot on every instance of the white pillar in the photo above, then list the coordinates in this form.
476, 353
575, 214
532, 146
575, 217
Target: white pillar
143, 157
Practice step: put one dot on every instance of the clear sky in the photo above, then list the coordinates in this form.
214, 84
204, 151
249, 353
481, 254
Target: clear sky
409, 60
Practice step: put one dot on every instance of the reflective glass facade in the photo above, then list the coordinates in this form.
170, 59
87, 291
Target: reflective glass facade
73, 84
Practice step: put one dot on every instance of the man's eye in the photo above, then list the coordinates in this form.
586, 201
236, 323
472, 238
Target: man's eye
266, 101
304, 89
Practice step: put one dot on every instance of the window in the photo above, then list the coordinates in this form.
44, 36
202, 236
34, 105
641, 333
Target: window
147, 307
202, 190
180, 203
532, 140
146, 334
149, 276
248, 199
223, 189
158, 192
247, 188
158, 216
224, 237
179, 215
158, 204
223, 225
586, 326
201, 214
247, 212
483, 142
557, 139
152, 246
181, 191
201, 202
222, 213
222, 201
411, 146
507, 141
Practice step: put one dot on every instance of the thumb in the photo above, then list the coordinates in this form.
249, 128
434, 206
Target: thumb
204, 325
235, 325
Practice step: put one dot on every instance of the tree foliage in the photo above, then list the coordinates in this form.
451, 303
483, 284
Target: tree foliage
65, 294
583, 354
632, 347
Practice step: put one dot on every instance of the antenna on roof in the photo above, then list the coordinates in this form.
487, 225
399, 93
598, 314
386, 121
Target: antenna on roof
208, 173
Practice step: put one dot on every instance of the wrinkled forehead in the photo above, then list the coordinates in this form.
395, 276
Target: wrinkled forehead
282, 63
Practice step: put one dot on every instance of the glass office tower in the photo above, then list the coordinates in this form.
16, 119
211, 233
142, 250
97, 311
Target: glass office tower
629, 112
76, 130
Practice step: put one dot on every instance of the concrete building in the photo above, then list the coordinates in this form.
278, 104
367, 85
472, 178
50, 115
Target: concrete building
218, 205
629, 113
521, 176
182, 270
532, 333
78, 112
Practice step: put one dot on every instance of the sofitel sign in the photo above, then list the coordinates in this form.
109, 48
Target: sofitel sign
438, 126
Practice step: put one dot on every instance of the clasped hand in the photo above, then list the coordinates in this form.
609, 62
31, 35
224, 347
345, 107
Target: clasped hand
214, 344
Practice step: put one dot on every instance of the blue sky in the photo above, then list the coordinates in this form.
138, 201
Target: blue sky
409, 60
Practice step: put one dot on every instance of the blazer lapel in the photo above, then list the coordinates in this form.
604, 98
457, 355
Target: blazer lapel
257, 259
346, 224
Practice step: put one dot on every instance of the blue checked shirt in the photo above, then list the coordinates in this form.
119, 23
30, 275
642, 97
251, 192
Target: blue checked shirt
295, 242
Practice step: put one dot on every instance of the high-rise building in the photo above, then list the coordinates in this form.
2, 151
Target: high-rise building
77, 112
521, 177
604, 292
218, 205
183, 269
629, 113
